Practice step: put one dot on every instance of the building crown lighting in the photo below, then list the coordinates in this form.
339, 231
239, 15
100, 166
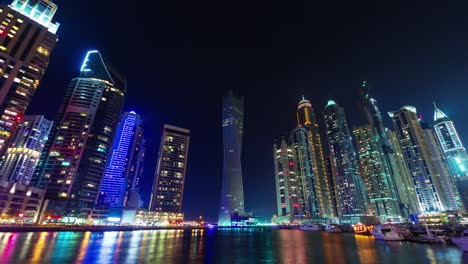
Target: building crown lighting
41, 11
438, 114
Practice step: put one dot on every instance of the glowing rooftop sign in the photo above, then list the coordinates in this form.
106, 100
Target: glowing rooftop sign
84, 65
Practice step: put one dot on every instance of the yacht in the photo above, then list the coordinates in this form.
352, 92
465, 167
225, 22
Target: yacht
462, 242
309, 227
333, 228
386, 232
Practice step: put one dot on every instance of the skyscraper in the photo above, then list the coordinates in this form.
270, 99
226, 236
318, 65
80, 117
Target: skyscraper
232, 191
306, 119
286, 179
76, 155
402, 177
125, 165
350, 193
23, 154
168, 185
27, 38
308, 192
373, 117
372, 167
418, 157
454, 152
448, 193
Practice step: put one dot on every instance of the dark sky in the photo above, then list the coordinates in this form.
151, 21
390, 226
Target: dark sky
181, 57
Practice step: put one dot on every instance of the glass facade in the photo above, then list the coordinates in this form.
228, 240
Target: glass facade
232, 190
125, 164
350, 192
453, 151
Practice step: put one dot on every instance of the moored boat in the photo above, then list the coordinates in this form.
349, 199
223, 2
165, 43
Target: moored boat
333, 228
309, 227
361, 229
386, 232
462, 242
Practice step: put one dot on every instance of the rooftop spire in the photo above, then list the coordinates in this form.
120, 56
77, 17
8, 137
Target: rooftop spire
438, 114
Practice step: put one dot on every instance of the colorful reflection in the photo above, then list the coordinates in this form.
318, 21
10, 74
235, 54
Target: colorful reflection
261, 245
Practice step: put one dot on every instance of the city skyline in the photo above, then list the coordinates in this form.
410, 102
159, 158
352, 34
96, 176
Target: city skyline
261, 170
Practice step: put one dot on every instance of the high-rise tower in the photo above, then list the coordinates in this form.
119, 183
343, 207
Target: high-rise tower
168, 185
232, 191
453, 151
27, 39
287, 190
418, 157
403, 179
372, 167
23, 154
448, 193
350, 192
306, 119
76, 155
125, 165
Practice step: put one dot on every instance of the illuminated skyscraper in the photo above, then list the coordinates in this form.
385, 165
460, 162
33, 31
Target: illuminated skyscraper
350, 192
419, 160
168, 186
23, 154
125, 165
373, 117
27, 38
76, 155
232, 191
286, 179
454, 152
402, 177
448, 193
372, 167
320, 182
307, 187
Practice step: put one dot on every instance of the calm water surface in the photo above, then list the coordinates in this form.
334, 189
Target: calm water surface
216, 246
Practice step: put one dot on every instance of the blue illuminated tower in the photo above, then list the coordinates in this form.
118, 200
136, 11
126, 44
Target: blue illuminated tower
453, 151
232, 192
125, 164
75, 157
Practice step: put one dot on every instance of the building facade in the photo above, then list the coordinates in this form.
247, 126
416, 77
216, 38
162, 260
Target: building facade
418, 158
404, 183
168, 186
372, 167
287, 182
232, 190
448, 193
27, 39
125, 166
453, 151
350, 192
75, 157
321, 185
22, 156
20, 203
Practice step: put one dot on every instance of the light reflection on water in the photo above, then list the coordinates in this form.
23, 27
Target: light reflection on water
215, 246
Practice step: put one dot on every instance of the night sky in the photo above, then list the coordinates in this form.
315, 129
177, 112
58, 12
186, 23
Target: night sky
181, 57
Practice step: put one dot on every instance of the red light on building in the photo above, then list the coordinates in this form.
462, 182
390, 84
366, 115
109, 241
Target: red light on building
20, 215
296, 205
